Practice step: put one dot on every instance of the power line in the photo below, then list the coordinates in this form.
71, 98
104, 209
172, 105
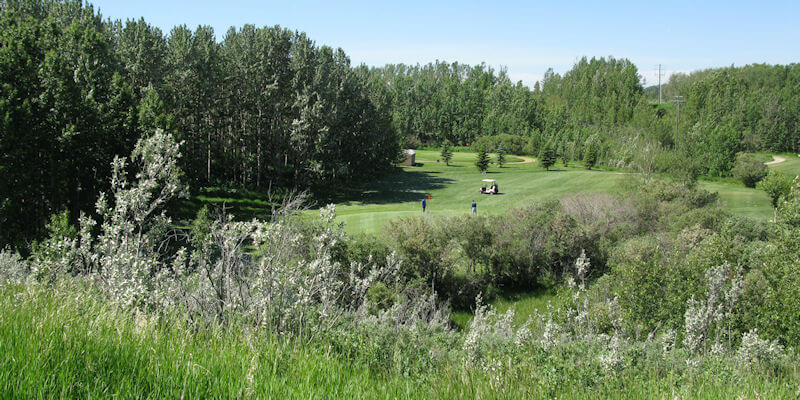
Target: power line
678, 100
659, 83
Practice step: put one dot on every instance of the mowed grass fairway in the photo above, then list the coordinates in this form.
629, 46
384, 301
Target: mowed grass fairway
452, 188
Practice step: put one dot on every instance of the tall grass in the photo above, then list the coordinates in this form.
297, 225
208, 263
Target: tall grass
67, 344
64, 342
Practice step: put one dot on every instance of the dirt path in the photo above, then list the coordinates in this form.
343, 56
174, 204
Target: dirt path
776, 160
525, 160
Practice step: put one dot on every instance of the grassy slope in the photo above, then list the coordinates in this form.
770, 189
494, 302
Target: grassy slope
790, 166
63, 343
453, 188
367, 207
752, 202
525, 304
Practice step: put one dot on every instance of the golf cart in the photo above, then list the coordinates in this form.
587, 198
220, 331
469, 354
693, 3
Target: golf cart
492, 188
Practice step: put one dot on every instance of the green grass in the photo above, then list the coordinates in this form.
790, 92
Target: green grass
741, 200
791, 166
66, 344
367, 207
452, 188
526, 304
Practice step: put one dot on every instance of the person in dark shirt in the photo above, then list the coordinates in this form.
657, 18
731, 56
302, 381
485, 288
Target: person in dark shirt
474, 207
424, 203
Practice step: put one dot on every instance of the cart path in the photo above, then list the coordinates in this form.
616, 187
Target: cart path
776, 160
525, 160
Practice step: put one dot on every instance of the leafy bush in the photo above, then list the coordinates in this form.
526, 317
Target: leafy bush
749, 169
535, 242
788, 210
424, 245
513, 144
777, 186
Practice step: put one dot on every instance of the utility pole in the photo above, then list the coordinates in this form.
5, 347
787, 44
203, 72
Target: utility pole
659, 83
678, 100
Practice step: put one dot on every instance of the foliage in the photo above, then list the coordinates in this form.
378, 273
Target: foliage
264, 107
447, 153
482, 160
777, 185
749, 170
501, 155
547, 156
513, 144
13, 268
71, 332
590, 155
788, 210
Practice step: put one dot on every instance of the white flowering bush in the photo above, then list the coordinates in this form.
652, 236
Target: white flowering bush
755, 349
707, 321
13, 268
134, 225
491, 334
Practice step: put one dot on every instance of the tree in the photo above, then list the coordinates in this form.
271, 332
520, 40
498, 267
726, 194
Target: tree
777, 186
501, 155
547, 156
788, 210
749, 170
447, 152
482, 160
590, 155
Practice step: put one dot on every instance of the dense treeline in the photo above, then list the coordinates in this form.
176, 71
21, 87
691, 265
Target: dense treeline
440, 102
263, 107
601, 104
761, 103
455, 102
267, 107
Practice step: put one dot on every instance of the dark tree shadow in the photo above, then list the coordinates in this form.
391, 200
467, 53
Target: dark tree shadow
243, 204
394, 187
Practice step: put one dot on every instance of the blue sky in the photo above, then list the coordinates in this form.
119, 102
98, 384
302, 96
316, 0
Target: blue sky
526, 37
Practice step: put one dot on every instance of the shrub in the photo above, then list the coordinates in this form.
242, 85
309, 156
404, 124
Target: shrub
788, 210
706, 320
13, 268
754, 349
535, 242
777, 186
57, 254
749, 169
424, 245
380, 297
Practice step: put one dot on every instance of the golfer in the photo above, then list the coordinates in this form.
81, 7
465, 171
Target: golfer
423, 204
474, 207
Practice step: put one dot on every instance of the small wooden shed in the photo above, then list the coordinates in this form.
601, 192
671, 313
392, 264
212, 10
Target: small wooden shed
408, 157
